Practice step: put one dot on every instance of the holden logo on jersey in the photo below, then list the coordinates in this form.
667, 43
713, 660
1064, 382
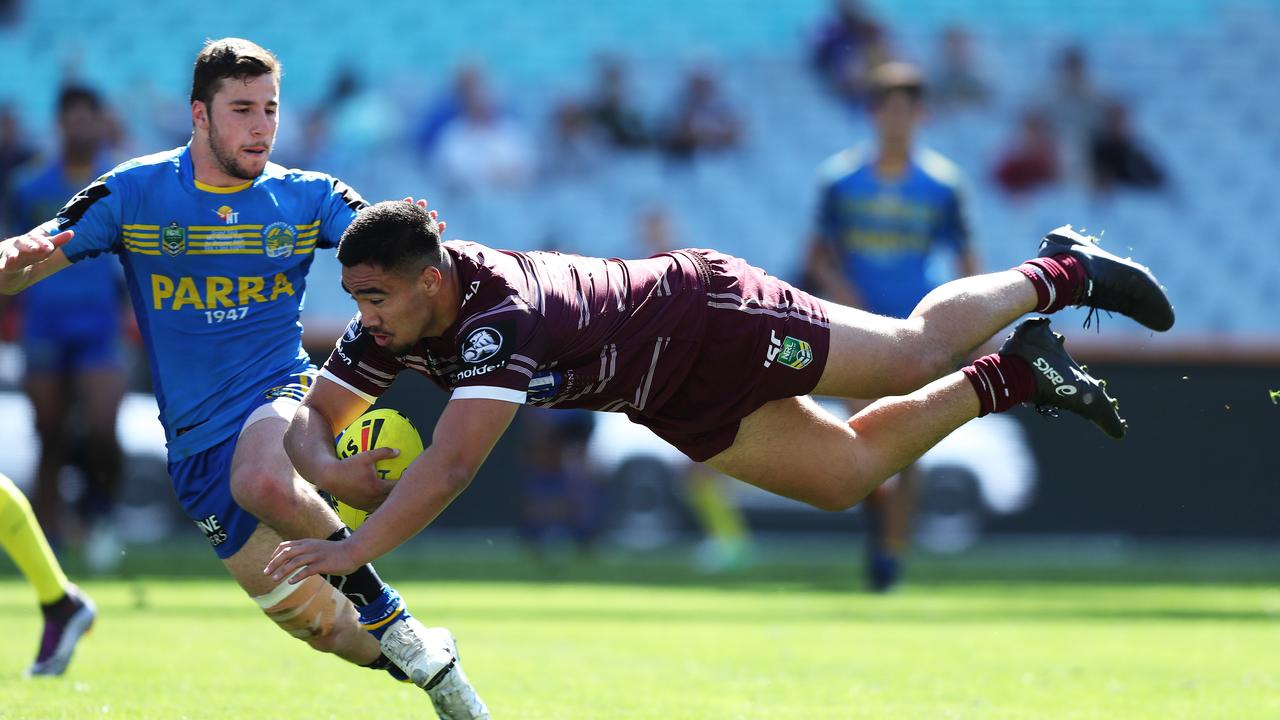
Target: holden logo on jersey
278, 239
173, 239
481, 345
474, 372
227, 215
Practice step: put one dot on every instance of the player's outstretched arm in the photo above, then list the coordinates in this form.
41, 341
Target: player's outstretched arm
27, 259
465, 433
327, 409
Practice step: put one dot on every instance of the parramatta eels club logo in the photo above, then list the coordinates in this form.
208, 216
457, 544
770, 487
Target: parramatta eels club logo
173, 238
278, 239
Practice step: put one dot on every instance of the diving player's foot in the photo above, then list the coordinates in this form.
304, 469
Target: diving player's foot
65, 622
429, 656
1114, 283
1060, 381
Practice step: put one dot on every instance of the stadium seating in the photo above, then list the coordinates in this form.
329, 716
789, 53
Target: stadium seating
1197, 74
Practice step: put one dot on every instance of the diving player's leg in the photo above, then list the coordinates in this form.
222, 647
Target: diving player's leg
68, 612
873, 356
794, 448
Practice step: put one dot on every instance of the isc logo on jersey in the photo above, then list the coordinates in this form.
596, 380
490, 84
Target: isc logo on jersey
215, 291
377, 429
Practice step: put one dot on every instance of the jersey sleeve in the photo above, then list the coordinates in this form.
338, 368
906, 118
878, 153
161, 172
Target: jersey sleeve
498, 354
340, 208
96, 215
358, 364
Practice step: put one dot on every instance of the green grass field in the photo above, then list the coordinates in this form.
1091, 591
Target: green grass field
994, 634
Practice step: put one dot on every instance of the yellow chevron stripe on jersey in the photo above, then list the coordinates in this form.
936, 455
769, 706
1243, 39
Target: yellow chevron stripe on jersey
221, 228
308, 226
139, 227
142, 236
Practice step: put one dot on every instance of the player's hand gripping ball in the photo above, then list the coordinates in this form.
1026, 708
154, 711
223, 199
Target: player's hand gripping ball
376, 429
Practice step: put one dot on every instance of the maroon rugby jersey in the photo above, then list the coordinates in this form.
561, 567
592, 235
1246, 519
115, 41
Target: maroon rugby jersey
551, 329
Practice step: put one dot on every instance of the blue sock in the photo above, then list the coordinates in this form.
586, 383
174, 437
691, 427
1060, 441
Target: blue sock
385, 609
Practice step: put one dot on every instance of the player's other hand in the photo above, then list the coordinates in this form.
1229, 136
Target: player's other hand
434, 215
330, 557
23, 251
355, 480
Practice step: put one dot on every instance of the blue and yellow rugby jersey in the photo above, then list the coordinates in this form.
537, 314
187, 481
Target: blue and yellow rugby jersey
217, 277
884, 231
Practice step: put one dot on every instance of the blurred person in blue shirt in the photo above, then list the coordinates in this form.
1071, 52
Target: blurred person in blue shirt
71, 335
885, 211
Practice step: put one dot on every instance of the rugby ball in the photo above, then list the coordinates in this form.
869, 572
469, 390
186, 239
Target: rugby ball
377, 429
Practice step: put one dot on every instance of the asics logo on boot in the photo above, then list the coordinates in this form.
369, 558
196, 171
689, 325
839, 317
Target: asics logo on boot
1055, 377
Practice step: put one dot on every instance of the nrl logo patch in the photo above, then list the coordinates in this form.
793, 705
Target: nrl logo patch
278, 239
482, 344
795, 353
173, 239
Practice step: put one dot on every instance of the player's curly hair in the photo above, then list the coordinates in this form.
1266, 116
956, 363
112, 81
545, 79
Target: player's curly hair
230, 58
395, 235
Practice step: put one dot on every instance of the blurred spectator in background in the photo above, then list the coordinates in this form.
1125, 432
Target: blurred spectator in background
445, 108
1074, 107
702, 119
956, 83
561, 490
9, 14
576, 148
15, 150
1118, 158
71, 338
1030, 162
482, 148
655, 232
884, 213
847, 47
611, 107
361, 119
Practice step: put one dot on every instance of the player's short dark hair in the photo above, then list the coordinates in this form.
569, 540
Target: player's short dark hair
71, 95
895, 77
230, 58
395, 235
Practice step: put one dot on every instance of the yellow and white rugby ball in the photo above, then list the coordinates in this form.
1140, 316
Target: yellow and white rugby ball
377, 429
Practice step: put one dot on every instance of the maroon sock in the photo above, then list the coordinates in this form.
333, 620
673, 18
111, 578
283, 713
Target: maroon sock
1001, 381
1059, 281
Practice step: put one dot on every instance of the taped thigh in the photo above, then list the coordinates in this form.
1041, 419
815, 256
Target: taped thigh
307, 610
